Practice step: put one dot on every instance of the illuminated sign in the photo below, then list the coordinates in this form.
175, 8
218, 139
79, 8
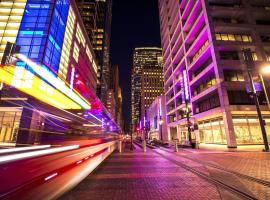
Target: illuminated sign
185, 85
160, 111
55, 81
72, 77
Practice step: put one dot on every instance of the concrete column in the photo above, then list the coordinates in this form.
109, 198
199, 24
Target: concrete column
227, 118
229, 130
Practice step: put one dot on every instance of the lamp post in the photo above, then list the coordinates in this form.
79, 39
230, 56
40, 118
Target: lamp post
265, 70
249, 63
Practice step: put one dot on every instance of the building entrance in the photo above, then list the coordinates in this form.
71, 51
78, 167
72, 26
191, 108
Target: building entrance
9, 125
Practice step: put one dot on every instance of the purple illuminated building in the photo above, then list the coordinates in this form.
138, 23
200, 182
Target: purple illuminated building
205, 72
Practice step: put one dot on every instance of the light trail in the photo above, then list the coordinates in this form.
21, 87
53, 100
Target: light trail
21, 156
2, 151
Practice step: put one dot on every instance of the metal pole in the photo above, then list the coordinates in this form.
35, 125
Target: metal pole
249, 60
264, 90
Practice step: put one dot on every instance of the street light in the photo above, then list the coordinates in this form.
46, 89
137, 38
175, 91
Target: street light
250, 65
265, 70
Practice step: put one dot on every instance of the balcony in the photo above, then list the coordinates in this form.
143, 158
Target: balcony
193, 15
204, 93
206, 72
196, 46
196, 28
204, 56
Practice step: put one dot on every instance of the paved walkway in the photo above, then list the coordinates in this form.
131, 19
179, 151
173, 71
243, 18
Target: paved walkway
255, 164
135, 175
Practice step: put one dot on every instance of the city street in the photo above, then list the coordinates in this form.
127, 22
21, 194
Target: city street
158, 174
134, 100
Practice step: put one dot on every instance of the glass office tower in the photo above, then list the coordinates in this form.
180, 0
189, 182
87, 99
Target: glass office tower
56, 66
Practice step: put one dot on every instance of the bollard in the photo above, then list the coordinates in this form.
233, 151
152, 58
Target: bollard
120, 146
175, 146
144, 145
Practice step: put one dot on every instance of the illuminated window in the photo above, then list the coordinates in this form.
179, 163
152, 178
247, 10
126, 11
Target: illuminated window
76, 52
63, 68
80, 36
233, 37
11, 15
224, 37
254, 56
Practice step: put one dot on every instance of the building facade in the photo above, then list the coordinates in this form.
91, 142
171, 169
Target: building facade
97, 16
143, 58
111, 103
152, 86
55, 66
205, 70
156, 116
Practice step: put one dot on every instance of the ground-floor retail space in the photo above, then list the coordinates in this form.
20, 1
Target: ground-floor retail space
212, 131
9, 125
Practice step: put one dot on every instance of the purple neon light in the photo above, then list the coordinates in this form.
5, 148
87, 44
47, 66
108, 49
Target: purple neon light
185, 85
144, 121
72, 77
160, 111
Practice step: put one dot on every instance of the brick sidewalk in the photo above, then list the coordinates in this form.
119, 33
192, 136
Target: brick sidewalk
255, 164
141, 176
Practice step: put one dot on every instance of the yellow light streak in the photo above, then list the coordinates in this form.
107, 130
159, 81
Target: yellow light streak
49, 95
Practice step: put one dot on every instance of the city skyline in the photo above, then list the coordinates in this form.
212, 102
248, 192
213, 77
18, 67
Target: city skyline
140, 100
130, 32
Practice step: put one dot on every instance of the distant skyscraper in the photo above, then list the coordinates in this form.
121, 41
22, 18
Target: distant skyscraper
97, 16
145, 60
205, 69
152, 85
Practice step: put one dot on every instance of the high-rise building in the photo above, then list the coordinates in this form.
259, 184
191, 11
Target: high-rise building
152, 85
145, 60
120, 119
205, 71
56, 68
111, 103
156, 116
97, 16
114, 85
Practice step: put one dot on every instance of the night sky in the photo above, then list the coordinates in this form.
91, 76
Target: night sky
135, 23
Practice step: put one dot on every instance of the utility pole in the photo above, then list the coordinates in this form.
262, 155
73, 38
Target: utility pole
250, 65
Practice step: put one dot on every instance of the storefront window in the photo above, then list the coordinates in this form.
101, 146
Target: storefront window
9, 124
247, 129
212, 132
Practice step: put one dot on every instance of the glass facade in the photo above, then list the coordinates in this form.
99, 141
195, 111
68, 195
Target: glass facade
247, 129
9, 125
10, 18
212, 131
42, 31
